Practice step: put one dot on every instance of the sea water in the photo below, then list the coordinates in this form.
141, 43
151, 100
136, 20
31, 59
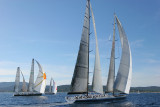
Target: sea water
133, 100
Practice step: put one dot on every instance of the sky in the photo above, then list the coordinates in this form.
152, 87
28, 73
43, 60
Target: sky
50, 31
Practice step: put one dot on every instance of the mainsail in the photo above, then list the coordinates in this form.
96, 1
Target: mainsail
31, 79
51, 85
97, 78
123, 79
17, 80
79, 82
111, 74
40, 83
24, 88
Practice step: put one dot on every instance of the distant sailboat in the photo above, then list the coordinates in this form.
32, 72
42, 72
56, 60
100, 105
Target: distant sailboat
34, 89
17, 82
80, 80
52, 87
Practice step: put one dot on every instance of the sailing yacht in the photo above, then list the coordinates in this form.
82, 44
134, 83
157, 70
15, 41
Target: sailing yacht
80, 79
52, 87
34, 89
17, 81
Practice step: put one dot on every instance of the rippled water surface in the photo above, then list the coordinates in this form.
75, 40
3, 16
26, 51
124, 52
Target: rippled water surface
133, 100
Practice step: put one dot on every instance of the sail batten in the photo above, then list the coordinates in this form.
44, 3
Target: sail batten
97, 78
17, 80
111, 74
123, 79
79, 82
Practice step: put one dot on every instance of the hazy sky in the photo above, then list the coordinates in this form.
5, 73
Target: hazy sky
50, 32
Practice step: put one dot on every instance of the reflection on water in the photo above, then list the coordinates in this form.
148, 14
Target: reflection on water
123, 103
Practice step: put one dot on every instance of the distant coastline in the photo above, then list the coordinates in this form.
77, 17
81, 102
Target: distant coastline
9, 87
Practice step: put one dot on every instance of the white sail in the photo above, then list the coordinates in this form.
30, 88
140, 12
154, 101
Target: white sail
51, 85
17, 80
123, 79
54, 87
31, 79
79, 82
40, 83
24, 88
111, 74
97, 77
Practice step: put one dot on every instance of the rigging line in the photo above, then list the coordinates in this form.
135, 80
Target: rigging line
38, 83
117, 42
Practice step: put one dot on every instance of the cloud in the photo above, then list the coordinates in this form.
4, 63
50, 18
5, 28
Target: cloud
152, 61
47, 41
137, 44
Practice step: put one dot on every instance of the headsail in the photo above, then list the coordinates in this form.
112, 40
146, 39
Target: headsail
123, 79
51, 85
111, 74
24, 88
31, 79
17, 80
97, 77
79, 82
40, 83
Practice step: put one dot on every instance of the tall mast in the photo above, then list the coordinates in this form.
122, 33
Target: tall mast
79, 83
111, 74
88, 46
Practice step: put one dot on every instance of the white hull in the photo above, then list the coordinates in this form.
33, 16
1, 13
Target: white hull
94, 98
50, 93
27, 94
